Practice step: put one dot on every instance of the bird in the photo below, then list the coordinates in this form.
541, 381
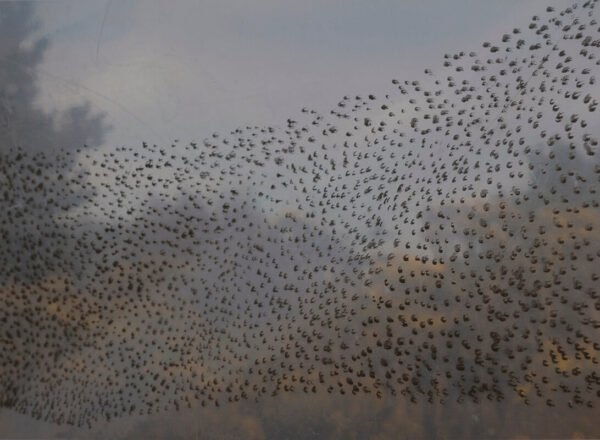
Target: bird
437, 242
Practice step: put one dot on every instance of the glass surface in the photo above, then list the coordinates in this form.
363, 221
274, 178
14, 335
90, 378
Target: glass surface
299, 219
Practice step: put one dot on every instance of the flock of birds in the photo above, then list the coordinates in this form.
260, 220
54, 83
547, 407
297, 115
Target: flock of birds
437, 243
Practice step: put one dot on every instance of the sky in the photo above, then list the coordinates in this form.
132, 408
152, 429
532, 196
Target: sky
119, 73
185, 69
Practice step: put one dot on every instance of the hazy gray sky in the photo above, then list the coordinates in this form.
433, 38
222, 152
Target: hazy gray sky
159, 71
182, 69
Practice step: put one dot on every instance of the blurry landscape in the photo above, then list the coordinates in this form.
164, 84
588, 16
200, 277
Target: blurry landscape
417, 263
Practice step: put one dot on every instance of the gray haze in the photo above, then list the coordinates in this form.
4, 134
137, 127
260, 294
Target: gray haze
299, 220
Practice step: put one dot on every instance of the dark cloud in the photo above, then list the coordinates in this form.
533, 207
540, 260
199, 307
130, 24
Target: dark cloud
30, 143
23, 124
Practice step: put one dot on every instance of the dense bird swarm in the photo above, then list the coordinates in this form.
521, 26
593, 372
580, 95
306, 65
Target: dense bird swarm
438, 243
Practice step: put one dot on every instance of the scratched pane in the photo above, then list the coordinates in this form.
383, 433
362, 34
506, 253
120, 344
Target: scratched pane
299, 220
